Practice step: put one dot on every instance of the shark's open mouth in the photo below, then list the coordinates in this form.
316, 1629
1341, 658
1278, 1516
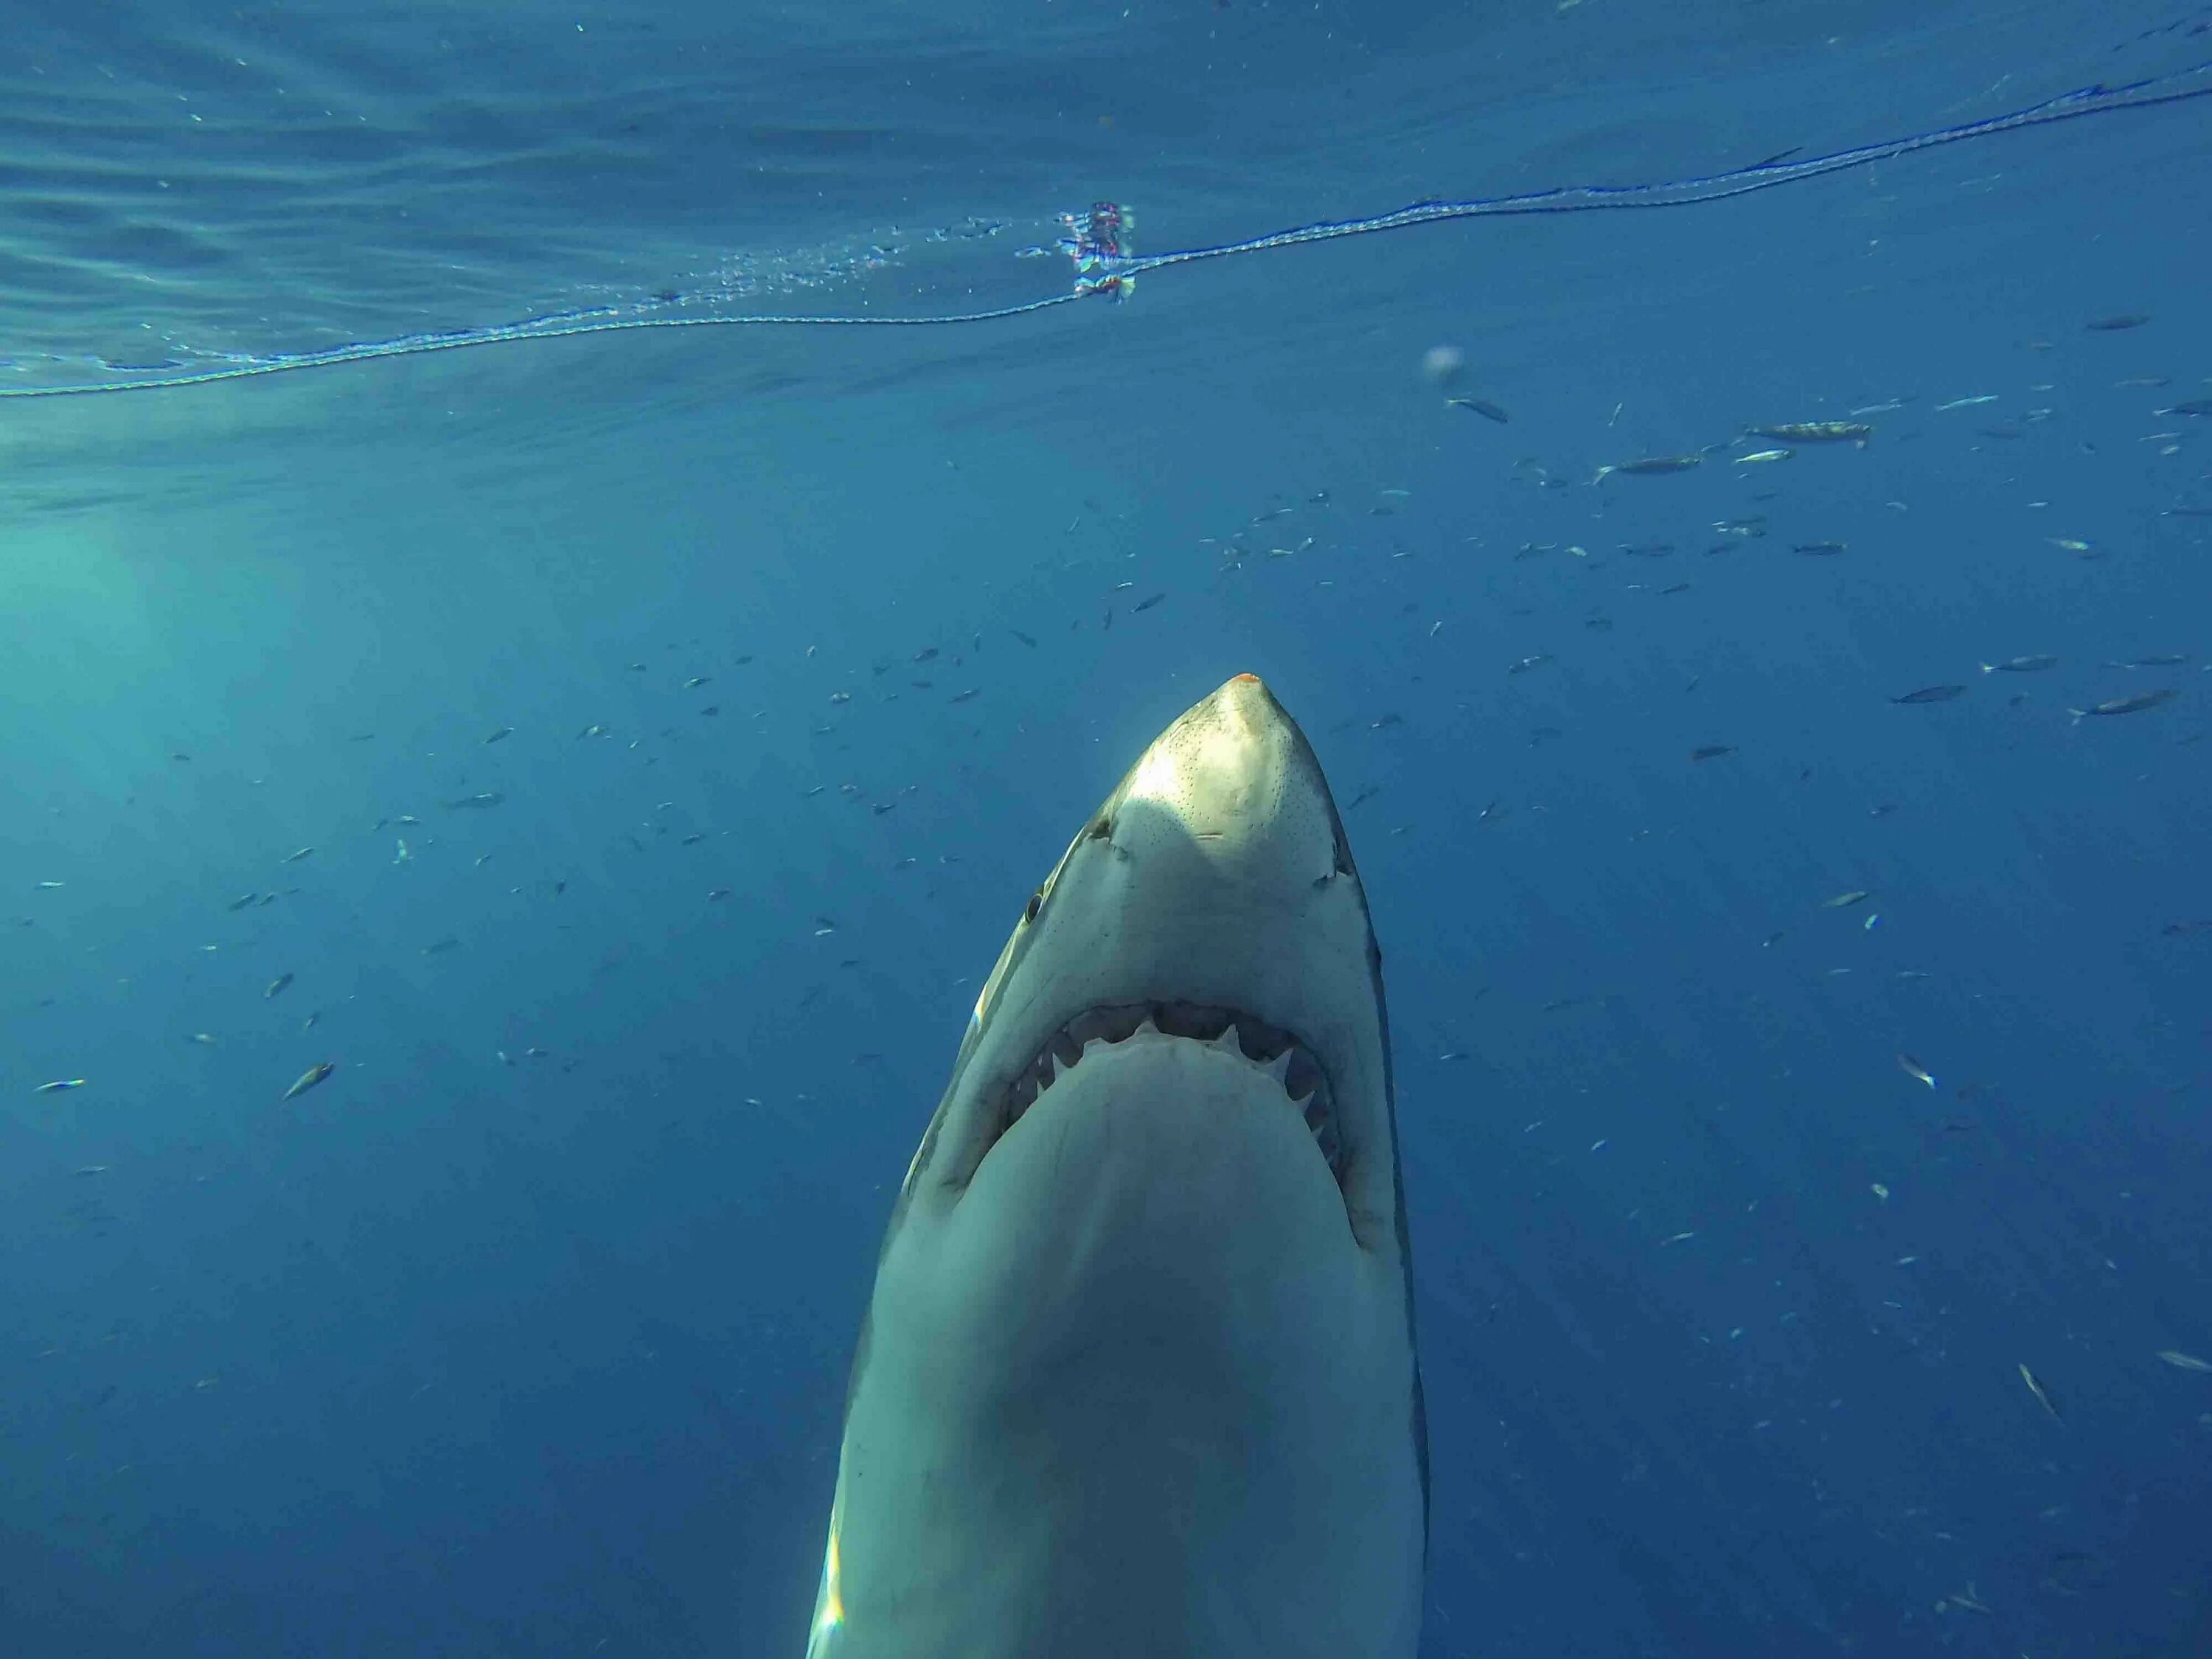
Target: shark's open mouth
1265, 1048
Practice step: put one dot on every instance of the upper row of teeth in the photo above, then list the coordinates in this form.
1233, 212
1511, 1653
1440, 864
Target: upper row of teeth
1263, 1046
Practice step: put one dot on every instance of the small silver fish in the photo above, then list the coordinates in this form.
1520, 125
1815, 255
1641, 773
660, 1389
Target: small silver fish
2042, 1395
59, 1085
1646, 465
2133, 705
314, 1074
1481, 406
1814, 432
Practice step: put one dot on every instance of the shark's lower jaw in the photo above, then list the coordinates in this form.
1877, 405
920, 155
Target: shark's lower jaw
1267, 1048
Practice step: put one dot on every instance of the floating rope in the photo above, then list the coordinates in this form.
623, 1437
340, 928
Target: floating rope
1098, 242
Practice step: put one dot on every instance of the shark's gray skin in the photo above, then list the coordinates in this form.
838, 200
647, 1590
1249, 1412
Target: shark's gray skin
1138, 1376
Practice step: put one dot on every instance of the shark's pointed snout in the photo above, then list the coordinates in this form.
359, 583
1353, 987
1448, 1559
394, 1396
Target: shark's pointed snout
1234, 776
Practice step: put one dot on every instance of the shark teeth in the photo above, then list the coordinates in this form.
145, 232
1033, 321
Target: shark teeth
1265, 1047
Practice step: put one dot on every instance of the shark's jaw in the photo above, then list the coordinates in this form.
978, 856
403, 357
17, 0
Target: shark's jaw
1138, 1374
1213, 887
1101, 1033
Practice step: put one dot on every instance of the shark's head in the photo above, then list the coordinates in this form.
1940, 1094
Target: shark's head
1139, 1372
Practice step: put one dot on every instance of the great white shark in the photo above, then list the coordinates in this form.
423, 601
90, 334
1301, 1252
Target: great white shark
1137, 1376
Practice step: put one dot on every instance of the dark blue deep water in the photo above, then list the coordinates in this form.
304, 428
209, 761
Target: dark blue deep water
526, 1332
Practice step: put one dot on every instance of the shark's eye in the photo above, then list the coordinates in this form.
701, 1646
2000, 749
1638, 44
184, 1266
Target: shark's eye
1103, 831
1029, 910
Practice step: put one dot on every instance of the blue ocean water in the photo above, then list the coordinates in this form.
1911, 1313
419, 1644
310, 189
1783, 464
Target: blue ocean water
1768, 1117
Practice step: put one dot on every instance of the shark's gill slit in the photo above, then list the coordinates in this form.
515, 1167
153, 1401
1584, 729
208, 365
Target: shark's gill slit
1264, 1047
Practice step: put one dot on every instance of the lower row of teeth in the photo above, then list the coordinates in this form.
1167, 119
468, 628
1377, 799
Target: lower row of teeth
1292, 1066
